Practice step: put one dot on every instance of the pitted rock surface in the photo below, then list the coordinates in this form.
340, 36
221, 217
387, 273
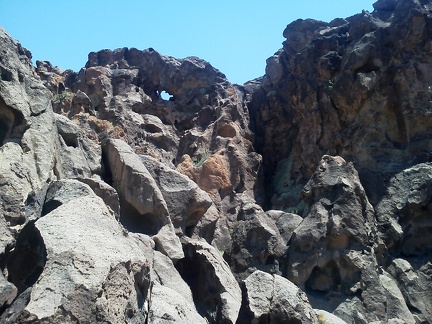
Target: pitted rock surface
146, 188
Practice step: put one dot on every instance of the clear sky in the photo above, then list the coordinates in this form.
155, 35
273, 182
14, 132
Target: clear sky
236, 37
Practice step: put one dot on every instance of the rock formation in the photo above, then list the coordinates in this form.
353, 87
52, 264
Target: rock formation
303, 196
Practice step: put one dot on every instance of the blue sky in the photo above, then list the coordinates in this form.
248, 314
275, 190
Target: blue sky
236, 37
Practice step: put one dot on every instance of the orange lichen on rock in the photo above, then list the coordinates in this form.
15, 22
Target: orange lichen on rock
213, 175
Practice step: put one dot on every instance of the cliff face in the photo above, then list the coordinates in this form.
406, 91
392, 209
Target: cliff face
145, 188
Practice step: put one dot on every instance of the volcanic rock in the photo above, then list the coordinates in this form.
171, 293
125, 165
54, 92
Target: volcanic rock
274, 299
145, 188
216, 293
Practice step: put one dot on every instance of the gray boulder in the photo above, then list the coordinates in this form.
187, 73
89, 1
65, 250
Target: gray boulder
403, 213
213, 227
63, 191
274, 299
25, 113
285, 222
256, 243
6, 236
186, 202
108, 194
169, 306
339, 219
216, 293
8, 292
85, 265
415, 283
167, 275
78, 155
143, 206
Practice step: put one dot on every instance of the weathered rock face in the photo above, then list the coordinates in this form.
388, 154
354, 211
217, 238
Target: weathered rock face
27, 132
256, 243
274, 299
216, 292
308, 188
355, 87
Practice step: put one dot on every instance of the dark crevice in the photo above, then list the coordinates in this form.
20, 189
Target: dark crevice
106, 171
189, 230
70, 139
205, 286
245, 314
6, 75
27, 260
135, 222
50, 206
12, 124
152, 128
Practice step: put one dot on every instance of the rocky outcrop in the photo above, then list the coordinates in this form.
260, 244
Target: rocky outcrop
216, 292
301, 196
27, 132
72, 255
347, 88
256, 243
403, 213
186, 202
274, 299
144, 211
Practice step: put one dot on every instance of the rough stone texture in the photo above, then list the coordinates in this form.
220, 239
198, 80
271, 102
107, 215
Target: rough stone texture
62, 191
118, 95
144, 208
108, 194
27, 133
274, 299
414, 279
355, 87
332, 252
14, 313
404, 212
87, 251
6, 237
319, 172
216, 293
169, 277
8, 292
78, 155
213, 227
168, 306
186, 202
256, 243
286, 223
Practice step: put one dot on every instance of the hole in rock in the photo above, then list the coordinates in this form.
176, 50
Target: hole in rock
5, 74
27, 260
151, 128
189, 230
165, 95
50, 206
12, 123
270, 259
61, 88
70, 139
324, 279
20, 77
